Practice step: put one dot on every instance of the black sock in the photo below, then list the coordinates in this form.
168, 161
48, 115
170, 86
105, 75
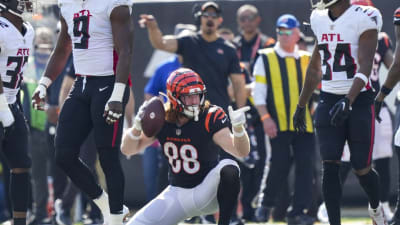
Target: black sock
228, 191
19, 221
19, 192
370, 183
382, 166
109, 161
332, 191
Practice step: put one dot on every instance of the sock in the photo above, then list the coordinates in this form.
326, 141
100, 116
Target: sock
102, 203
370, 183
227, 194
382, 167
116, 219
19, 221
332, 191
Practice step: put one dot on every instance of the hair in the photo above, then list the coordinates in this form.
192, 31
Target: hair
247, 7
171, 115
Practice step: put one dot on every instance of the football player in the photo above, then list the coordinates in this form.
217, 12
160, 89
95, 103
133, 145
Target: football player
199, 182
391, 80
346, 42
16, 41
91, 29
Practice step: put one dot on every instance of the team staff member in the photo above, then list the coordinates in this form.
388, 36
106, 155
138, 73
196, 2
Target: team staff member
213, 58
98, 98
279, 74
250, 39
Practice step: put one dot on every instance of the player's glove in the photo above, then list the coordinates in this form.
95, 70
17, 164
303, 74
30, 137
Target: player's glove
6, 116
340, 111
238, 117
40, 92
378, 107
114, 108
299, 118
137, 122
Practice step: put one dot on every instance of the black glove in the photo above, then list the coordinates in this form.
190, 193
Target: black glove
340, 111
378, 107
299, 118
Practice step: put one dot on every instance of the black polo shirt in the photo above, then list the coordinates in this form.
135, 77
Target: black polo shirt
213, 61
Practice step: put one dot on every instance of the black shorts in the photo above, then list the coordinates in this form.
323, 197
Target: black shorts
357, 130
15, 142
83, 110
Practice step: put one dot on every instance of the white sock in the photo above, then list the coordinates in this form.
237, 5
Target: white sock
116, 219
102, 203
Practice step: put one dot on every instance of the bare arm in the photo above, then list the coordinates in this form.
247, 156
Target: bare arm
388, 58
131, 146
167, 43
236, 146
122, 31
129, 108
64, 91
239, 89
60, 54
394, 71
313, 78
366, 53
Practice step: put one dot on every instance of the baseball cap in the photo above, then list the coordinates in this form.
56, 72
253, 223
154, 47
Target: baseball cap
211, 4
287, 21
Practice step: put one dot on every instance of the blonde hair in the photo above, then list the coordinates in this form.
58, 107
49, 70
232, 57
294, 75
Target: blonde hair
171, 115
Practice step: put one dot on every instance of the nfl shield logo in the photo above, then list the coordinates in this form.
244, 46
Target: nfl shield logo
178, 132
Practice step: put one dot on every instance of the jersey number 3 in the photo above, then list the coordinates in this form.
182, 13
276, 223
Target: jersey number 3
16, 73
81, 30
186, 157
342, 51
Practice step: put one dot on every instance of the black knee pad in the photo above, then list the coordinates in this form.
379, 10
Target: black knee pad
230, 175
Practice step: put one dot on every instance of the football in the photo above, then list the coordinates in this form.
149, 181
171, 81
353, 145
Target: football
153, 117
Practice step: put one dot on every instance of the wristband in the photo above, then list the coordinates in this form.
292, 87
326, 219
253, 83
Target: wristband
118, 92
265, 116
385, 90
3, 102
362, 77
239, 134
133, 137
45, 81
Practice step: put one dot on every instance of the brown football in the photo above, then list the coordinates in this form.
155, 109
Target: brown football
153, 117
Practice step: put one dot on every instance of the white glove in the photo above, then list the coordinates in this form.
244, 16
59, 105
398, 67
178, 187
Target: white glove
238, 117
6, 116
40, 93
137, 121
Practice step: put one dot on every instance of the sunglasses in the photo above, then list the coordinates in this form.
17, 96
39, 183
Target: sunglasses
248, 18
284, 32
212, 15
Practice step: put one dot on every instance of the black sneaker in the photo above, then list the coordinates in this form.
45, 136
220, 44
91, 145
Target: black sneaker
193, 220
236, 222
207, 219
301, 219
262, 214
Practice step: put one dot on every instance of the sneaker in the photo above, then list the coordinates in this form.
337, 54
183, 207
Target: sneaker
377, 215
262, 214
38, 221
301, 219
322, 214
207, 219
236, 222
193, 220
61, 217
387, 211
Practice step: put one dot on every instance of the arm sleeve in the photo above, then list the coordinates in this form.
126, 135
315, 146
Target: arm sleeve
183, 42
216, 120
116, 3
259, 92
370, 19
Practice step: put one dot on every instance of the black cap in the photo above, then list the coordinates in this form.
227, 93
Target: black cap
211, 4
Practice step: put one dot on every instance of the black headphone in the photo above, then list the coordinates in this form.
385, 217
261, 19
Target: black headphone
196, 12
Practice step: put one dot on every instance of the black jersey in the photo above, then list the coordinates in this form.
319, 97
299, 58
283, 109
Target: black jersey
383, 46
189, 149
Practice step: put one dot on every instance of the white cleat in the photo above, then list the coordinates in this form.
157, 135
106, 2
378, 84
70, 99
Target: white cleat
387, 211
322, 214
377, 215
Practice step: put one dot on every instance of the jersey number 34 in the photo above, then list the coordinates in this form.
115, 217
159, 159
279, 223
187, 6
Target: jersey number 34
342, 51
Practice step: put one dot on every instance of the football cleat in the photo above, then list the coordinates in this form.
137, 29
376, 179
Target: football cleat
377, 215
